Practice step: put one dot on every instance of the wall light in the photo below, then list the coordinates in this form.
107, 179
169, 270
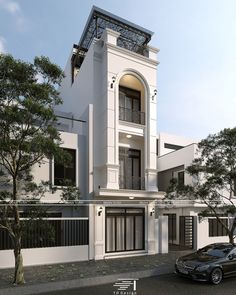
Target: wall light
154, 93
152, 211
99, 211
128, 136
113, 81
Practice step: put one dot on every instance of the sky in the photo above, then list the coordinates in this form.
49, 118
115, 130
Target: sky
197, 40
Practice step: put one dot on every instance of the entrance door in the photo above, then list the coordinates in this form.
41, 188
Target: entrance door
124, 229
186, 231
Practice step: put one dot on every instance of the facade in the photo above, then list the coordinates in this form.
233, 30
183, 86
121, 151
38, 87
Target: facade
108, 125
185, 228
111, 84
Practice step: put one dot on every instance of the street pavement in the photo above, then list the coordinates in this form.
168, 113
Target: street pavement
169, 284
63, 277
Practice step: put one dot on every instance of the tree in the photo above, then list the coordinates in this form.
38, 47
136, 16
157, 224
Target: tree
28, 136
213, 179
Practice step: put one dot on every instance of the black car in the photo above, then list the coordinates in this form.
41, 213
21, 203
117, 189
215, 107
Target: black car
211, 263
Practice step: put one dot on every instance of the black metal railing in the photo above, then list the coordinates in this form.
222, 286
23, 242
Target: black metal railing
131, 182
130, 115
132, 46
49, 233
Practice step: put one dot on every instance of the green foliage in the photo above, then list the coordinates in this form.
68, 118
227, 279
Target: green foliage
28, 136
214, 176
28, 132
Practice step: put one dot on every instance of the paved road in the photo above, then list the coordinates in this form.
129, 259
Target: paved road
161, 285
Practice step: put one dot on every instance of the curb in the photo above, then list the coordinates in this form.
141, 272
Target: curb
78, 283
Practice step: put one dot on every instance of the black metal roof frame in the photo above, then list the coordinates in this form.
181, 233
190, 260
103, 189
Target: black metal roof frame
131, 37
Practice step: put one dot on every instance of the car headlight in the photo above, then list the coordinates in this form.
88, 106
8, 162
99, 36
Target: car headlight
202, 268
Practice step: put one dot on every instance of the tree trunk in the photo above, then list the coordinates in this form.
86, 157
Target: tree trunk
19, 270
231, 238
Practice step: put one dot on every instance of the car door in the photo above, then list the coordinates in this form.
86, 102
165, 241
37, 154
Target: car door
229, 266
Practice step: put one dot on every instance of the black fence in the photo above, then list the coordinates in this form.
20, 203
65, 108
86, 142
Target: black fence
131, 115
132, 182
51, 232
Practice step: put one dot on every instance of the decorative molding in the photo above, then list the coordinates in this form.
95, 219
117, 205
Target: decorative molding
132, 54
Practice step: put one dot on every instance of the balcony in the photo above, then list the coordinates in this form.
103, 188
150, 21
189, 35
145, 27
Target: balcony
130, 115
132, 182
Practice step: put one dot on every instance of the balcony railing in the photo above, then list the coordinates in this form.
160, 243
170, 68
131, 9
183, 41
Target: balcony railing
131, 182
131, 116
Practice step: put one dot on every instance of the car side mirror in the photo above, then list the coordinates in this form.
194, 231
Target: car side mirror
232, 256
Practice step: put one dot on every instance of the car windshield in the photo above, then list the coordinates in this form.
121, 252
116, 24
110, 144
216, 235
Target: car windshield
216, 250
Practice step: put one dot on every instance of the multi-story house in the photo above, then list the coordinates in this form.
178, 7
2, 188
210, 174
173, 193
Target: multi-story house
108, 125
110, 83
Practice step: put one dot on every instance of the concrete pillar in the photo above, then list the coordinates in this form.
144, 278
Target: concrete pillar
163, 234
99, 228
151, 228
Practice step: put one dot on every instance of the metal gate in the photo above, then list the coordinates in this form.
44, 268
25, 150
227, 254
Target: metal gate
171, 228
186, 231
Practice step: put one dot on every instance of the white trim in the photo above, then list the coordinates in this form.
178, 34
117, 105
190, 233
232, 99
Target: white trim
54, 218
132, 54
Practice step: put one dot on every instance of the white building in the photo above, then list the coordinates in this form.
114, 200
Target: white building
110, 85
185, 228
108, 124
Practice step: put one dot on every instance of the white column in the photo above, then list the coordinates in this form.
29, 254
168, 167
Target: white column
151, 158
99, 242
91, 231
151, 228
112, 164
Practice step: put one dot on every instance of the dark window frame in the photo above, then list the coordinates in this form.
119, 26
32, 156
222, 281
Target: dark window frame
125, 214
171, 146
132, 94
216, 229
60, 181
180, 178
129, 153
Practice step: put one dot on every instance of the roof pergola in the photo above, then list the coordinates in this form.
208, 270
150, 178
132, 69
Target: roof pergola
132, 37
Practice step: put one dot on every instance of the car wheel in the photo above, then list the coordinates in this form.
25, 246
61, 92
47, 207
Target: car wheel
216, 276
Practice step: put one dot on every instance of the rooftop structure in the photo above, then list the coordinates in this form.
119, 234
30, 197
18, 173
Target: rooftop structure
132, 36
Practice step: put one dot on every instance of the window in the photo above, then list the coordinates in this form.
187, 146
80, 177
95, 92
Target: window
216, 229
129, 106
130, 168
181, 178
66, 174
172, 146
124, 229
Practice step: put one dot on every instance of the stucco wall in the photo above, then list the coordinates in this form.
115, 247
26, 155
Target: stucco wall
41, 256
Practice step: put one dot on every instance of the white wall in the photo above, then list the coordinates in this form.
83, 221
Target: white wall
172, 139
203, 238
177, 158
92, 85
42, 172
41, 256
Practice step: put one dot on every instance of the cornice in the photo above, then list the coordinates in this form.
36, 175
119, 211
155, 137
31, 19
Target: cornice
132, 54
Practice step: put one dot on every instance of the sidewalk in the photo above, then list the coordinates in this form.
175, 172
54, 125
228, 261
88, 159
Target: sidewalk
55, 277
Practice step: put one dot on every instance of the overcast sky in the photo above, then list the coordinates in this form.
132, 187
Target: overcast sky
197, 42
